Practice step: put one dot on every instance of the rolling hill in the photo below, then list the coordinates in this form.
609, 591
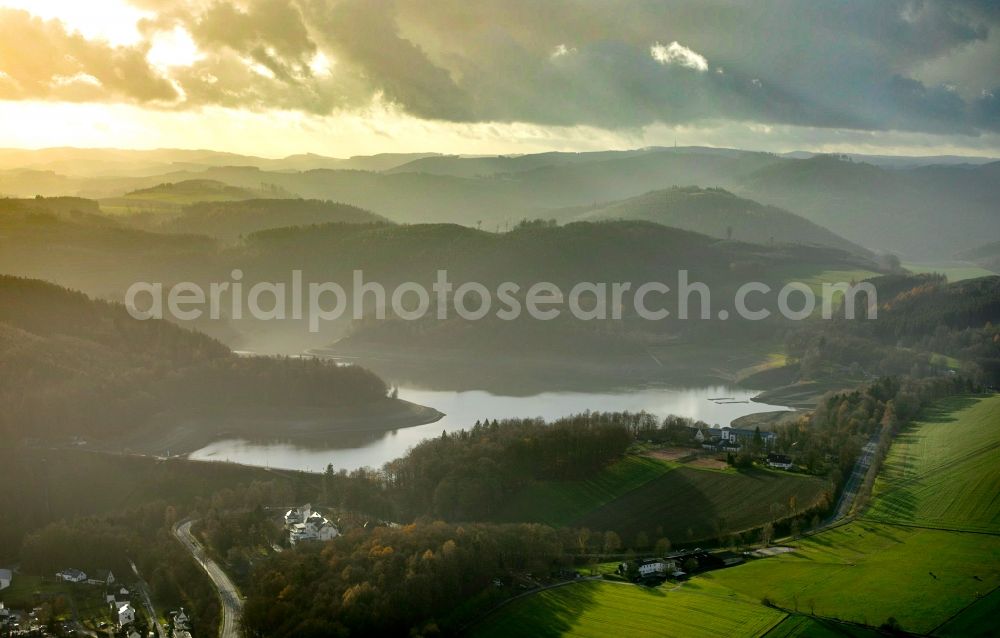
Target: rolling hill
73, 366
231, 219
719, 213
170, 196
927, 212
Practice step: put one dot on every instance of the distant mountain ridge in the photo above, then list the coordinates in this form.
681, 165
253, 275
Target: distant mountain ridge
920, 211
719, 213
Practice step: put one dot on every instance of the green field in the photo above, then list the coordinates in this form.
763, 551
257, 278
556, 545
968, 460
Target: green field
796, 626
975, 621
661, 498
597, 609
944, 471
562, 502
953, 270
866, 572
692, 504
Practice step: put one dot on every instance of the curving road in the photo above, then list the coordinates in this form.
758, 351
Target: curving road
232, 603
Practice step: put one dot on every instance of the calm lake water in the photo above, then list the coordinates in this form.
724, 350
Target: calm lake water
462, 409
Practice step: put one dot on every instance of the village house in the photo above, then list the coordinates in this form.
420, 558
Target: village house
779, 461
182, 624
116, 599
126, 615
730, 439
6, 578
72, 576
303, 524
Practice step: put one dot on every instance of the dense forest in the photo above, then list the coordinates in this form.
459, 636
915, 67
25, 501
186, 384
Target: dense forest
468, 475
394, 581
74, 366
230, 220
925, 326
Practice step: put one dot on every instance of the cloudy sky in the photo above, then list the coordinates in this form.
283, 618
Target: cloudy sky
342, 77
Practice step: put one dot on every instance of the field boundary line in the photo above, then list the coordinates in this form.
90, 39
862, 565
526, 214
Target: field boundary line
963, 610
839, 621
929, 527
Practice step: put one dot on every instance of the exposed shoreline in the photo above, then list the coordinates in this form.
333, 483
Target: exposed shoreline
181, 432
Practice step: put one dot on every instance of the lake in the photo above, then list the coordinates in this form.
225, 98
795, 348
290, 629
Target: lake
463, 409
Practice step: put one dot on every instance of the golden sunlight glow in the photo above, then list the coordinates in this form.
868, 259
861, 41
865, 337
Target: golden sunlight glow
173, 48
113, 20
120, 121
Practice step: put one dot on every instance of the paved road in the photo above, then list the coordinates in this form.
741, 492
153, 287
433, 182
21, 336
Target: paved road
856, 478
232, 603
148, 602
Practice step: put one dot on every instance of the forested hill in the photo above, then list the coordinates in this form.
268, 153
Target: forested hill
71, 365
719, 213
231, 219
534, 251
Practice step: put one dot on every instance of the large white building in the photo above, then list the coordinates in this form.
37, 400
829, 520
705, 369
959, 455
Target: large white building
303, 524
656, 567
6, 578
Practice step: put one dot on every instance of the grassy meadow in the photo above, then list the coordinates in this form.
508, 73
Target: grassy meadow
664, 498
594, 609
926, 554
944, 471
562, 502
693, 503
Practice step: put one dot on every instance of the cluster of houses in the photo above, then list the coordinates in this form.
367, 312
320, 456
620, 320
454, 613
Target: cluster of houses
730, 439
303, 524
119, 599
182, 624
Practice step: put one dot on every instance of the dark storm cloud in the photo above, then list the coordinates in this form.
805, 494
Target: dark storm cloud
846, 64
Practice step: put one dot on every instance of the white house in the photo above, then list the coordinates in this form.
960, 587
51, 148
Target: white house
6, 578
779, 461
181, 621
72, 576
126, 615
303, 524
118, 598
656, 567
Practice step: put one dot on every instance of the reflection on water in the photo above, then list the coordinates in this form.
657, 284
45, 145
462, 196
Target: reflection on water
462, 409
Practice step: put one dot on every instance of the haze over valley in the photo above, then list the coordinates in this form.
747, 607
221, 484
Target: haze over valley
332, 318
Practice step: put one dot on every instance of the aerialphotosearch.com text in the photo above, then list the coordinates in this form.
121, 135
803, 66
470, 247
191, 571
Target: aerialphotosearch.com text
319, 302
